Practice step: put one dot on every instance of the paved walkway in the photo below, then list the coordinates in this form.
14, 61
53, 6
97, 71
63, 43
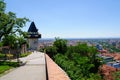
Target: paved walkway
33, 70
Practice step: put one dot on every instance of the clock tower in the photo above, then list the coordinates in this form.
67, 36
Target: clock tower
33, 36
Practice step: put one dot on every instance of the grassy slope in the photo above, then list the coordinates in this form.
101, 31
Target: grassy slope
4, 68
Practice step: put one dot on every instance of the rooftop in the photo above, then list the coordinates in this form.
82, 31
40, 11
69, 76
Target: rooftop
33, 31
32, 28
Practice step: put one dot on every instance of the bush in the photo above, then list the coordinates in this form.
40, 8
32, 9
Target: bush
77, 68
25, 54
116, 75
8, 63
5, 56
2, 56
51, 51
61, 45
9, 56
80, 61
12, 64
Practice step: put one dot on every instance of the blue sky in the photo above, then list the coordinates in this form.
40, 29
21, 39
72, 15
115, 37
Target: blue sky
70, 18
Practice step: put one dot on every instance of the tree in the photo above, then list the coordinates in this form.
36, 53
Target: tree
9, 23
61, 45
80, 62
10, 41
51, 51
10, 27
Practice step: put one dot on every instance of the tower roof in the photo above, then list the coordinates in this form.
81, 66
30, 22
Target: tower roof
32, 28
33, 31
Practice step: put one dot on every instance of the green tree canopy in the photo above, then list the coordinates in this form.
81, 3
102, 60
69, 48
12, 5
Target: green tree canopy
61, 45
9, 22
11, 27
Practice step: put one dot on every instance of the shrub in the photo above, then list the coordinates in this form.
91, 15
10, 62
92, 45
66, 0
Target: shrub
51, 51
78, 68
8, 63
2, 56
9, 56
116, 75
25, 54
61, 45
80, 62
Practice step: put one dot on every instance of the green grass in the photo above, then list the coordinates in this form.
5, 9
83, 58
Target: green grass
6, 65
4, 68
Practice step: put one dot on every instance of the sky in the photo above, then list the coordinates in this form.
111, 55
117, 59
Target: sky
70, 18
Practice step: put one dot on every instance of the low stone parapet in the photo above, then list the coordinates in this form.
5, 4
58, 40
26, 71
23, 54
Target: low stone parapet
54, 71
